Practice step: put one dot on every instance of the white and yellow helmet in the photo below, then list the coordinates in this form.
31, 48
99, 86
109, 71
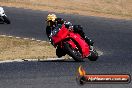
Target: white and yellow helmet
51, 17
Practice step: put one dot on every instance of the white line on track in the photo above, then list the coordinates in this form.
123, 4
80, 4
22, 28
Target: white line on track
32, 39
18, 37
22, 60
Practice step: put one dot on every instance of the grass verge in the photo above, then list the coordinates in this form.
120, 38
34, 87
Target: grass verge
12, 48
104, 8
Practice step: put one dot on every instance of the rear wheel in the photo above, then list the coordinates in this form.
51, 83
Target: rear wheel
75, 54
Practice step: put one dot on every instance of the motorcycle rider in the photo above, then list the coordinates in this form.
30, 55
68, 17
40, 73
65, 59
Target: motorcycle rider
3, 16
54, 22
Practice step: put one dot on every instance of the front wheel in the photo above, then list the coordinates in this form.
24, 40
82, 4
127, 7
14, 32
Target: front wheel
75, 54
93, 55
6, 20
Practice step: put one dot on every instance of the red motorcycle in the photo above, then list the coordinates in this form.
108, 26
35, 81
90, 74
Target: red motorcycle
68, 42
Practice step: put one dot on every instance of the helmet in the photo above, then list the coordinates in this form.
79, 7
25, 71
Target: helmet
51, 19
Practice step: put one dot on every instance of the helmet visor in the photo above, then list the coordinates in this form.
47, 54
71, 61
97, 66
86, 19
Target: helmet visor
50, 23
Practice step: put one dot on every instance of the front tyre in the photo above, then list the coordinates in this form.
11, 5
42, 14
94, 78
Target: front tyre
75, 54
93, 55
6, 20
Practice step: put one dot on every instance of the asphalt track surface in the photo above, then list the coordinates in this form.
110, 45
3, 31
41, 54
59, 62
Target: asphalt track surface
112, 37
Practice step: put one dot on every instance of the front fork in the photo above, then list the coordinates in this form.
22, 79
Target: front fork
91, 50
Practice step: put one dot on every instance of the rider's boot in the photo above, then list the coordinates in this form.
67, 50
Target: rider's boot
79, 29
89, 41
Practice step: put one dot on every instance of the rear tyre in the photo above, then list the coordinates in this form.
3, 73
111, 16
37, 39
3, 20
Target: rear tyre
75, 54
93, 55
6, 20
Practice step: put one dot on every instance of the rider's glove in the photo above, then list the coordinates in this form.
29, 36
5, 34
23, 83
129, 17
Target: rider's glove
69, 25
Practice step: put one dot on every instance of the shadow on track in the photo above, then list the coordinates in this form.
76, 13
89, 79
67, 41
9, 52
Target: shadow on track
69, 61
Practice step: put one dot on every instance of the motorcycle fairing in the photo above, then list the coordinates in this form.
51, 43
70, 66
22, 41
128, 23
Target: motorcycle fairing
83, 45
61, 35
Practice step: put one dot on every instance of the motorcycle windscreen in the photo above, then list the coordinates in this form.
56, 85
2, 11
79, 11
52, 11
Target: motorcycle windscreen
61, 35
